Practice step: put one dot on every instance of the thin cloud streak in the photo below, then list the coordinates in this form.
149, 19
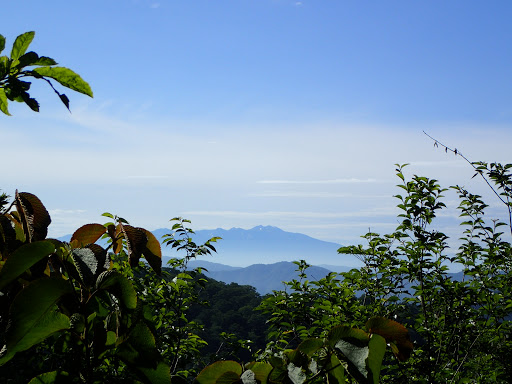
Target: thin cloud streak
334, 181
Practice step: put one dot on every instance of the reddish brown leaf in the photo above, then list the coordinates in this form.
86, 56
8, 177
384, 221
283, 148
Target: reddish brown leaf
34, 216
87, 234
394, 333
152, 251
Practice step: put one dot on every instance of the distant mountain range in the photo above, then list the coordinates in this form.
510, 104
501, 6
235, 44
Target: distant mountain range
262, 256
264, 277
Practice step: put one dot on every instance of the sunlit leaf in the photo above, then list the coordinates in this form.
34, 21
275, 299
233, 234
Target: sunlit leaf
21, 45
67, 78
87, 234
4, 102
214, 372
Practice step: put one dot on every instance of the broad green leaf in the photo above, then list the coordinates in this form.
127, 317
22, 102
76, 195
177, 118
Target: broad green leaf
140, 352
67, 78
55, 377
335, 370
214, 372
45, 61
261, 371
2, 43
342, 332
46, 326
28, 59
376, 350
24, 258
119, 286
310, 346
87, 234
159, 375
31, 305
21, 44
4, 102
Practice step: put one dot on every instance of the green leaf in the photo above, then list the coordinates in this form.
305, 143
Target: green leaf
4, 102
310, 346
140, 351
29, 58
213, 373
2, 43
50, 323
261, 371
45, 61
21, 44
22, 259
67, 78
119, 286
55, 377
335, 370
377, 348
29, 313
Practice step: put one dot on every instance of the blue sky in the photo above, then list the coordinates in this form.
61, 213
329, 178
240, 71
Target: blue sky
271, 112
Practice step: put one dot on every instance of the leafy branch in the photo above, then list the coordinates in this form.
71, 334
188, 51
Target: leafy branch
22, 64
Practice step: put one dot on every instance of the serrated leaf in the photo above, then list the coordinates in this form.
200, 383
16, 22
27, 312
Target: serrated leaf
21, 44
4, 102
45, 61
86, 265
67, 78
34, 216
22, 259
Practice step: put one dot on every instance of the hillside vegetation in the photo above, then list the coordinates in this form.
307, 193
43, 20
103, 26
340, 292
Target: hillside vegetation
80, 312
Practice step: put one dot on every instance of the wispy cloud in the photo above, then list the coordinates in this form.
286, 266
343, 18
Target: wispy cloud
382, 211
320, 195
332, 181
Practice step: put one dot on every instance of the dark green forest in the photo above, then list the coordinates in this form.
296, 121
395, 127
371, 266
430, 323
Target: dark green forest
78, 312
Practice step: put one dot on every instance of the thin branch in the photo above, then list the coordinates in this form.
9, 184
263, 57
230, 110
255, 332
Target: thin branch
456, 152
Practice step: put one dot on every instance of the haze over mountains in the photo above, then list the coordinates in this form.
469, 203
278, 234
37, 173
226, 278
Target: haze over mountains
262, 256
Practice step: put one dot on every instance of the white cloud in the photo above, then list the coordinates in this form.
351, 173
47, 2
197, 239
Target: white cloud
333, 181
